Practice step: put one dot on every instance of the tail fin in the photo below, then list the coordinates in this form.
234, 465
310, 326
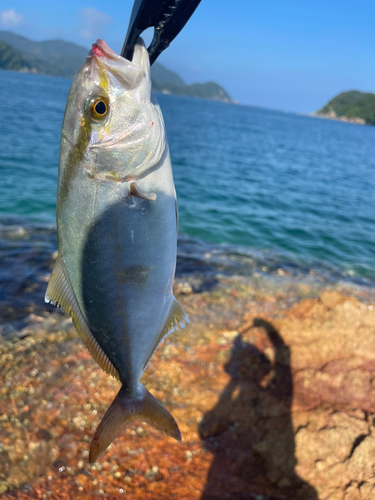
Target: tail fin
124, 409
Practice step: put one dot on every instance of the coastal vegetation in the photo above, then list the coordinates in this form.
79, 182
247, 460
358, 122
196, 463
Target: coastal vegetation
355, 106
209, 90
11, 59
60, 58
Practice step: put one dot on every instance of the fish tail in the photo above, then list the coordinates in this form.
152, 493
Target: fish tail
144, 406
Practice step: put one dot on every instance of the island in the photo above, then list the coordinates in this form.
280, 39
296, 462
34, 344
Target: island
353, 106
60, 58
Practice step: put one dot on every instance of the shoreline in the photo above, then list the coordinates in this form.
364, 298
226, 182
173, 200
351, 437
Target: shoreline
345, 119
28, 252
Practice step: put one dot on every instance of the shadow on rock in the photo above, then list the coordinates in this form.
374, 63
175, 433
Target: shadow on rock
249, 431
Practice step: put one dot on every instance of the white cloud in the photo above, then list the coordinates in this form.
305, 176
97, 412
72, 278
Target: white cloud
11, 18
92, 23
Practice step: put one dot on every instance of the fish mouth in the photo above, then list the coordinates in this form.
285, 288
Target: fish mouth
100, 49
126, 73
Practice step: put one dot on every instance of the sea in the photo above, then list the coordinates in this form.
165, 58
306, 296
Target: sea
259, 191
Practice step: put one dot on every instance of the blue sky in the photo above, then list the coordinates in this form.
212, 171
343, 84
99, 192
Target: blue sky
289, 55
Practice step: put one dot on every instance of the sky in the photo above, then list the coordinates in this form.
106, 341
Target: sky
291, 55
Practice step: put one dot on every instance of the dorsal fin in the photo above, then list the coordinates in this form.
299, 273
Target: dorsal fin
59, 293
176, 316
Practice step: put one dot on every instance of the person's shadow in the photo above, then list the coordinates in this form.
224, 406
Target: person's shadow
249, 431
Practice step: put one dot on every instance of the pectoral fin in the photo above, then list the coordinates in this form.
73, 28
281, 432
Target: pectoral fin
59, 293
176, 316
135, 191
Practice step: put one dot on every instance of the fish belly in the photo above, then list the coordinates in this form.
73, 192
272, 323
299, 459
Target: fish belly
120, 253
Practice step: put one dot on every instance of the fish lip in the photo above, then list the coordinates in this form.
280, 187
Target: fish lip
122, 72
104, 55
100, 49
105, 58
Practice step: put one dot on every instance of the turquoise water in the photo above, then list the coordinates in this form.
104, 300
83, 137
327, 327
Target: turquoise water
283, 188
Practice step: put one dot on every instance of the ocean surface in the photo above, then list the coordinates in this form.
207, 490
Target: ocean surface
256, 188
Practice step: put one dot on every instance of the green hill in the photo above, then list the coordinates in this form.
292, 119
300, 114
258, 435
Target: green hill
60, 58
52, 57
162, 76
353, 106
209, 90
11, 59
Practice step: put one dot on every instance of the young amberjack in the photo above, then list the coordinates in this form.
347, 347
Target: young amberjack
117, 231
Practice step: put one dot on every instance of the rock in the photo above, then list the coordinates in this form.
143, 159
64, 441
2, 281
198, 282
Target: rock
274, 406
3, 487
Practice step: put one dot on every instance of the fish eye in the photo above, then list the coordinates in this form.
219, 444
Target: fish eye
98, 108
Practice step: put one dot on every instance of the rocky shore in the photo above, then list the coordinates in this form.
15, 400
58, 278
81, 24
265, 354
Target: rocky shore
272, 387
331, 115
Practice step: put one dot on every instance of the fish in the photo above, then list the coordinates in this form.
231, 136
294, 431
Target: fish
116, 215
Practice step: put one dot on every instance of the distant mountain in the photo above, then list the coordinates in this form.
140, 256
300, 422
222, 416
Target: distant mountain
209, 90
353, 106
52, 57
162, 76
12, 59
60, 58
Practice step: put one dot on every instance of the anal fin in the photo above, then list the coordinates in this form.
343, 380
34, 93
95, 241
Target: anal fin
59, 293
176, 317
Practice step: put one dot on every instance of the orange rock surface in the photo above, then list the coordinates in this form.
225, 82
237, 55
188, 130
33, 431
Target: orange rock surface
272, 402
